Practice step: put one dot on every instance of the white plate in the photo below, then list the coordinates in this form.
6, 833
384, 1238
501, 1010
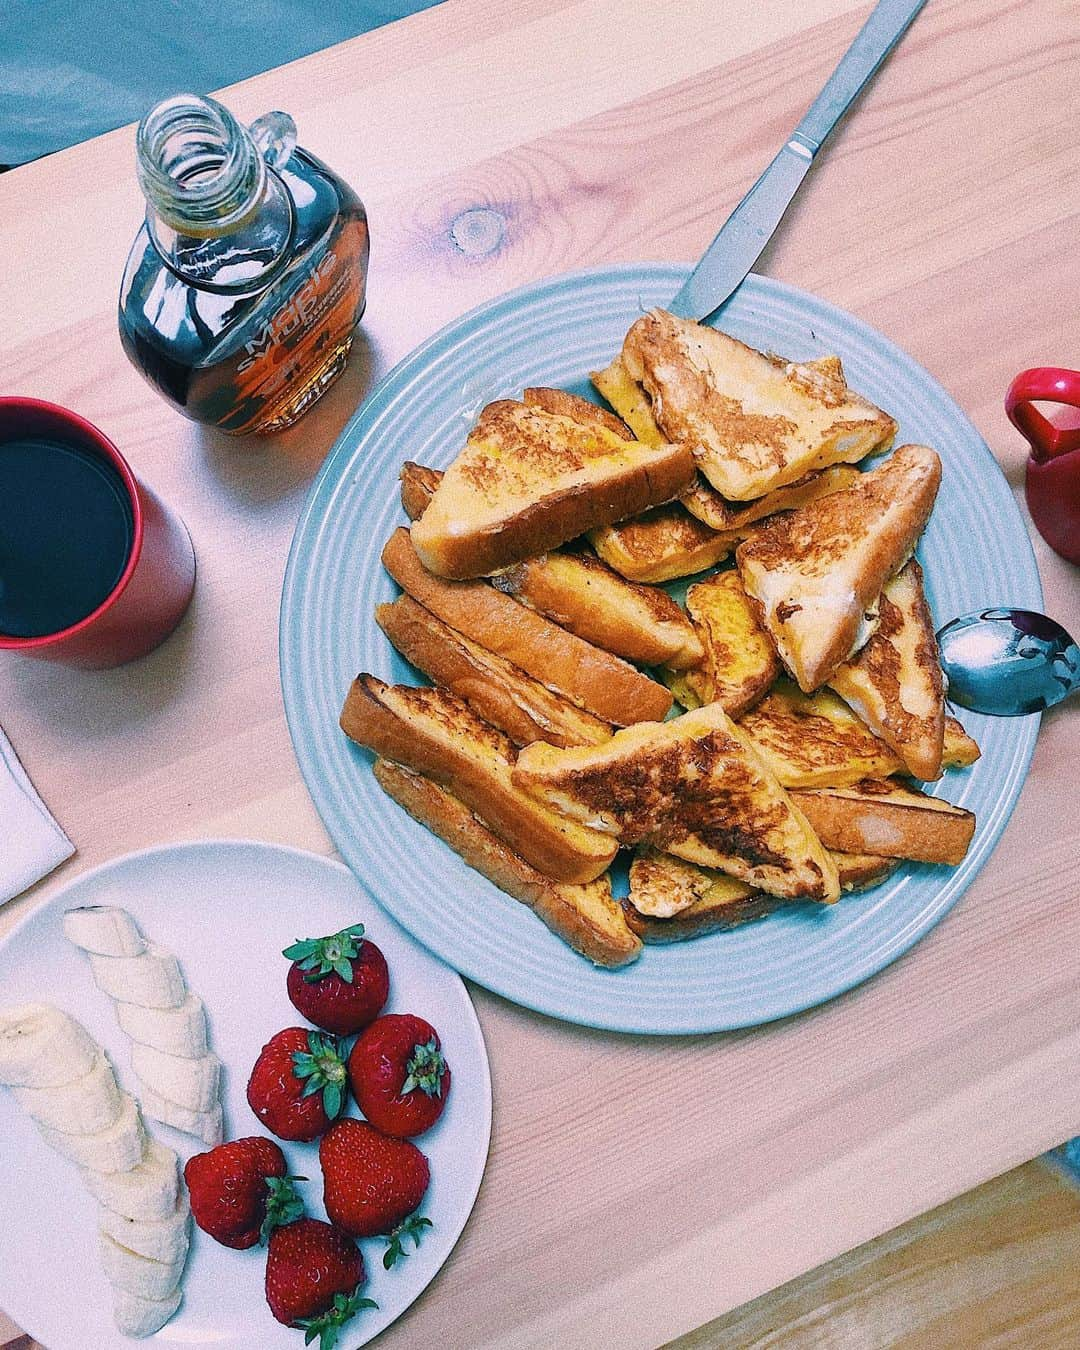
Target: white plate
226, 908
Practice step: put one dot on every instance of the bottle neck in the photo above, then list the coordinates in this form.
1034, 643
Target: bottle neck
216, 213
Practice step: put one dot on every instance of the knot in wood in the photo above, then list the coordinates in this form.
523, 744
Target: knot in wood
478, 231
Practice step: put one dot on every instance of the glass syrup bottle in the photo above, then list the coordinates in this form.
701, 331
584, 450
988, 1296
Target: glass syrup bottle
243, 288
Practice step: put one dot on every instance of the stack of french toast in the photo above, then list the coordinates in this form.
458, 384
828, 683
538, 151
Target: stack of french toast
805, 676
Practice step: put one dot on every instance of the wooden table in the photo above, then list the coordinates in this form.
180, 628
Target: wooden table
636, 1188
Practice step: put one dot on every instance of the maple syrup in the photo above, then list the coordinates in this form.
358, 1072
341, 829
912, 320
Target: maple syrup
244, 286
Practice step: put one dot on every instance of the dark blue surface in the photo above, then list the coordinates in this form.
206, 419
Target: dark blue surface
71, 69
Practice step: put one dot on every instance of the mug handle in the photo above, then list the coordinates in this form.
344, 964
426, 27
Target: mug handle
1051, 384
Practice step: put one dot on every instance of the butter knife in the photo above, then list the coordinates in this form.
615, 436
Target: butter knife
750, 226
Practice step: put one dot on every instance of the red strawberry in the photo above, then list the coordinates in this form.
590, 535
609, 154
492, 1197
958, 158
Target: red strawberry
370, 1181
297, 1086
313, 1279
238, 1190
399, 1076
339, 982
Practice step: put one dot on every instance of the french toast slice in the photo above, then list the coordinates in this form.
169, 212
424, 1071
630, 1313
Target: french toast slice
694, 787
756, 422
816, 740
740, 661
536, 473
882, 817
703, 501
818, 571
497, 691
585, 916
602, 684
435, 733
583, 595
895, 683
661, 545
629, 400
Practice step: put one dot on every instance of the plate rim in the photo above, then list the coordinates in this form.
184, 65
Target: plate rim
236, 844
861, 970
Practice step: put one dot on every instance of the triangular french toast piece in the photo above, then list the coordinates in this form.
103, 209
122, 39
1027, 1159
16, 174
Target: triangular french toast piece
694, 787
895, 682
818, 571
881, 816
535, 474
756, 422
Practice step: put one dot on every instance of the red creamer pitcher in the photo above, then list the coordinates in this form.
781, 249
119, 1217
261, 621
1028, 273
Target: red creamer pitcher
1052, 483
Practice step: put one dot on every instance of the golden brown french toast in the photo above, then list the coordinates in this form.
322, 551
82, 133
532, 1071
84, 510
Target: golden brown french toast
496, 690
661, 545
583, 595
436, 734
815, 740
740, 661
882, 817
694, 787
418, 484
536, 473
817, 572
595, 680
736, 518
895, 682
584, 916
629, 400
756, 422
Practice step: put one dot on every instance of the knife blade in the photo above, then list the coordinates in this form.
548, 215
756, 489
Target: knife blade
750, 226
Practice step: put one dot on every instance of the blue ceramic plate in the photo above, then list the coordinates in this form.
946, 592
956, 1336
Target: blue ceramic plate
975, 552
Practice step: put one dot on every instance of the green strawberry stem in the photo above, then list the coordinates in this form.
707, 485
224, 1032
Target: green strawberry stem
324, 1070
333, 955
425, 1070
328, 1324
412, 1227
283, 1205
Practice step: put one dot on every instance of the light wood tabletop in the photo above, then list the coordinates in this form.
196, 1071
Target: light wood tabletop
636, 1188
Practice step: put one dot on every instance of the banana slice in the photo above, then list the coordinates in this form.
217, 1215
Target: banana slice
135, 1316
42, 1047
106, 930
156, 1239
137, 1274
86, 1105
148, 1191
117, 1149
205, 1125
190, 1083
174, 1031
152, 979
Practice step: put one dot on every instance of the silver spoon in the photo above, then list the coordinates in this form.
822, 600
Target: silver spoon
1007, 662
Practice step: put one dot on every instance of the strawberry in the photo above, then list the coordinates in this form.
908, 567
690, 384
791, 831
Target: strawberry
297, 1086
399, 1076
339, 982
313, 1279
371, 1183
239, 1190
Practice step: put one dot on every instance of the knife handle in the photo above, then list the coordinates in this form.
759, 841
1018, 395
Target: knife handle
874, 41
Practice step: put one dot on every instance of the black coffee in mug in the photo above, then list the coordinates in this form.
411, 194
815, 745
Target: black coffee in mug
66, 532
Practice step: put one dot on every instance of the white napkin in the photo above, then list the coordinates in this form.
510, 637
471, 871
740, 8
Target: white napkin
31, 842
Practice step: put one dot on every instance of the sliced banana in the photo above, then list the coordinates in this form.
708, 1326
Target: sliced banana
116, 1149
152, 979
148, 1191
137, 1274
156, 1239
42, 1047
86, 1105
191, 1083
173, 1031
206, 1125
105, 930
135, 1316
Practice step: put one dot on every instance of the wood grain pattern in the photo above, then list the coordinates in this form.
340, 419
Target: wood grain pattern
945, 213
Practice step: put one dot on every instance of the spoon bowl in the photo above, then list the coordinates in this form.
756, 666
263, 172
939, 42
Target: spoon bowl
1008, 662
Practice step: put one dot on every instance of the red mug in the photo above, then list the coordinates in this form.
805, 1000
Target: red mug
1052, 482
154, 589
